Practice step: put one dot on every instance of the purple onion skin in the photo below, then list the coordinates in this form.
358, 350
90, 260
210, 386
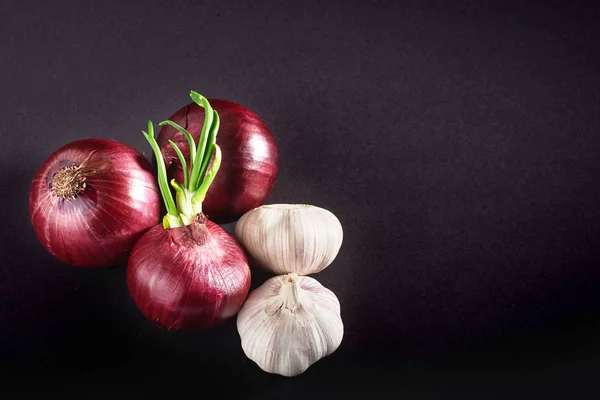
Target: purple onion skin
249, 166
100, 225
190, 278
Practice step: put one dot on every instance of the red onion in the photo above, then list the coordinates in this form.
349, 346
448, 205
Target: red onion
188, 273
91, 200
188, 278
250, 157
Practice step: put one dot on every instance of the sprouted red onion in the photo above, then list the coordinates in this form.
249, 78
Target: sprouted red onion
188, 273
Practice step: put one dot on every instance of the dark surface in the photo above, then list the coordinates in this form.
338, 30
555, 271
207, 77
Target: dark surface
456, 143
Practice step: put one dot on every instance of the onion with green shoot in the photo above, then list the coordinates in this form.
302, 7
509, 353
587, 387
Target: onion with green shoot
188, 273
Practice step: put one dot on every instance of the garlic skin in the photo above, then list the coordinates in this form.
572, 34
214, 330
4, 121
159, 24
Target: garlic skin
285, 238
289, 323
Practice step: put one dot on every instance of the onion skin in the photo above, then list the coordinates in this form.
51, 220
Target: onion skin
100, 225
250, 158
190, 278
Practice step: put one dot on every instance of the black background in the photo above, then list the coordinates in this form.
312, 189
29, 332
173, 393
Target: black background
456, 142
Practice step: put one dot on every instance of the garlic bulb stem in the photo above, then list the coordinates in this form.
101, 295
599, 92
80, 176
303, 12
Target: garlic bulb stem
289, 291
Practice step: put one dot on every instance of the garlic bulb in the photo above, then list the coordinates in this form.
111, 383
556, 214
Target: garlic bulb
285, 238
289, 323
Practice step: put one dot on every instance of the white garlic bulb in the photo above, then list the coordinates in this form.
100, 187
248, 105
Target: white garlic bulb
285, 238
289, 323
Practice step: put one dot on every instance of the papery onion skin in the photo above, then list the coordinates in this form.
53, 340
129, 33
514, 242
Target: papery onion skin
98, 227
189, 278
250, 158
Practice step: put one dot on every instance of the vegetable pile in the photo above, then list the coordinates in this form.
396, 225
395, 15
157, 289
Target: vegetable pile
96, 203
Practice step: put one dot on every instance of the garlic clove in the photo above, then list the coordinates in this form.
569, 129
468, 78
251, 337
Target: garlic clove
285, 238
289, 323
